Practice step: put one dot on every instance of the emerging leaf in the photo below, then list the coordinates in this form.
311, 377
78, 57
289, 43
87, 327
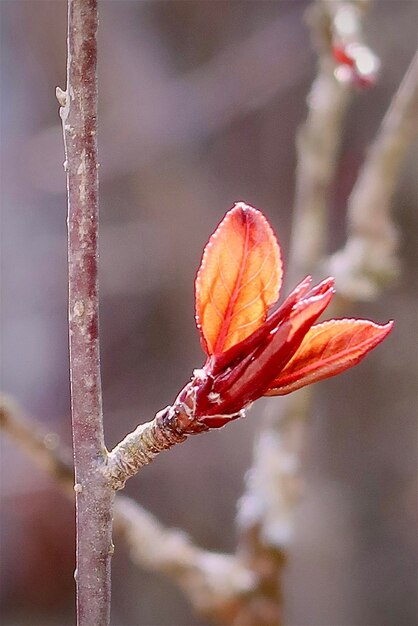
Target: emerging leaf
327, 350
273, 320
238, 280
255, 349
252, 377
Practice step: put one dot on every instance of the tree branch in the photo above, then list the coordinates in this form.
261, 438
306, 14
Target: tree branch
218, 585
93, 495
142, 445
273, 486
318, 142
39, 445
368, 260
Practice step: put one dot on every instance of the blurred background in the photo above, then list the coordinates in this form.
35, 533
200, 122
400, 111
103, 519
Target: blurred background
199, 105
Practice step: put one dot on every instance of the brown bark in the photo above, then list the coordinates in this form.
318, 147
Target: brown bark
93, 494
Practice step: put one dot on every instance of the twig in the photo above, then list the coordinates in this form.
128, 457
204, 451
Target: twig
318, 143
93, 495
216, 584
41, 446
273, 486
368, 260
142, 445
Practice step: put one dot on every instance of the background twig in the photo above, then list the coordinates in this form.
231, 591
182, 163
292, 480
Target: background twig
368, 260
41, 446
273, 486
318, 142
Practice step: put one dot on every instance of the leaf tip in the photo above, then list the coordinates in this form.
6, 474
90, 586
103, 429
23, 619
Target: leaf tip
239, 278
386, 328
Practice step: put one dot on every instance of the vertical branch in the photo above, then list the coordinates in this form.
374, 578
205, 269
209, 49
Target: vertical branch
273, 485
368, 260
93, 495
318, 142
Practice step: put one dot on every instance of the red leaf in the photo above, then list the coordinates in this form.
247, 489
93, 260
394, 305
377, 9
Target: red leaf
246, 346
253, 375
238, 280
327, 350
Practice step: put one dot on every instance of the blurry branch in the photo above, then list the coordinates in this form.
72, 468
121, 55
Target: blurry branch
42, 447
94, 496
318, 142
215, 583
273, 486
368, 260
276, 452
333, 25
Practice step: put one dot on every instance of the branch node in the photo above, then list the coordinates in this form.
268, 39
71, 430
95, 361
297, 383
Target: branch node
61, 96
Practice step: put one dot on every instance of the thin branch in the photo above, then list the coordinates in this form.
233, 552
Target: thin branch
93, 495
318, 143
216, 584
273, 486
41, 446
142, 445
368, 260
